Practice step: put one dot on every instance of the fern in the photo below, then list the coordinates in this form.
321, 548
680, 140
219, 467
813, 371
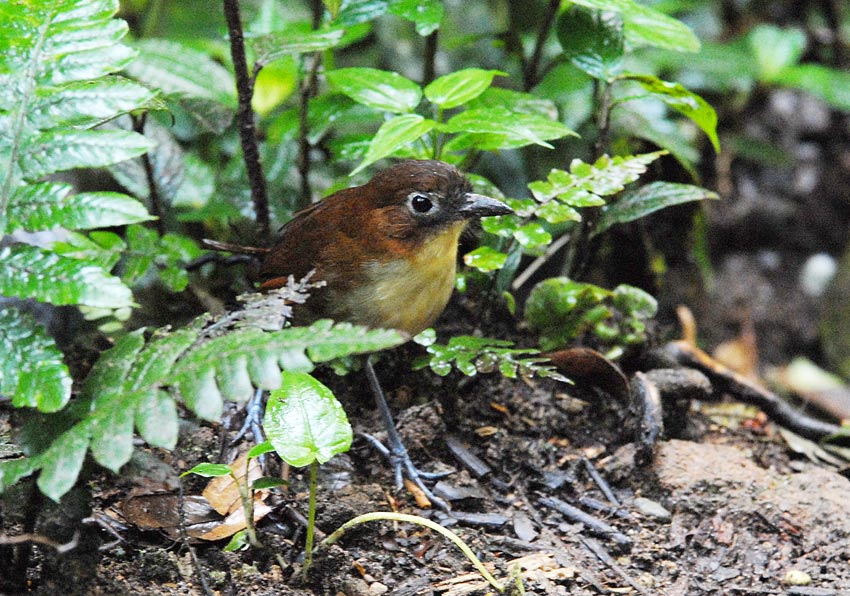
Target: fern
136, 384
57, 60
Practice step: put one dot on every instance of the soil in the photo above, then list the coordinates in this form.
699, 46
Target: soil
722, 508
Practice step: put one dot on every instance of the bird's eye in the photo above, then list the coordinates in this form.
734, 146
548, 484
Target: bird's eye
421, 203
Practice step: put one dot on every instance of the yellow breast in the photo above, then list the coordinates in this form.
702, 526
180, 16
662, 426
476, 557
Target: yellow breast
408, 294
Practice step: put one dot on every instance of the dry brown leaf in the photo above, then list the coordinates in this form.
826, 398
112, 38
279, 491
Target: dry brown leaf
223, 492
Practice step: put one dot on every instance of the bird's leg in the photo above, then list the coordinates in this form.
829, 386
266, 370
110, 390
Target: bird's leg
253, 422
397, 453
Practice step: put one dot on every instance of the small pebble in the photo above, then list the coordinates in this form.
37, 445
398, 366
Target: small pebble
651, 508
378, 588
795, 577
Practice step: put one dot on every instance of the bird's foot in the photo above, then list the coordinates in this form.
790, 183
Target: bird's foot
403, 467
253, 423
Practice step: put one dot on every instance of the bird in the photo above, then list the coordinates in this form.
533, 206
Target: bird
387, 254
387, 250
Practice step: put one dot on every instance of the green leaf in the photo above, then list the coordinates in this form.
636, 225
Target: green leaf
32, 371
203, 374
510, 130
62, 462
472, 355
62, 150
460, 87
156, 418
261, 449
44, 205
680, 99
32, 272
179, 70
425, 14
378, 89
775, 49
532, 236
645, 26
831, 85
353, 12
635, 204
296, 38
305, 422
393, 135
593, 41
516, 102
485, 259
85, 103
560, 309
209, 470
237, 542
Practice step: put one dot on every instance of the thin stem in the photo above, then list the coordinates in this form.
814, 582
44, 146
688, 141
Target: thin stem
307, 90
429, 70
530, 75
311, 519
150, 177
537, 263
414, 519
245, 118
246, 494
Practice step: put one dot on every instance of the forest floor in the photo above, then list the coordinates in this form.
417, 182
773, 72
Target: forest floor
725, 506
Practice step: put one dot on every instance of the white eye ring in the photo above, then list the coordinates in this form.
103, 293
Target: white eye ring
420, 202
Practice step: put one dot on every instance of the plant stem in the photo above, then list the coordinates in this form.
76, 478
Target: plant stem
307, 90
150, 177
529, 74
429, 70
311, 520
246, 493
413, 519
245, 118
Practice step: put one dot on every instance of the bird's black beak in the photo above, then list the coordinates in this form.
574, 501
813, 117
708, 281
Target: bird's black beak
475, 205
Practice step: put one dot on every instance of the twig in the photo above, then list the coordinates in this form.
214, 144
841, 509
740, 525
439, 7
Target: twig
529, 73
200, 573
245, 118
43, 540
537, 263
593, 524
153, 187
599, 551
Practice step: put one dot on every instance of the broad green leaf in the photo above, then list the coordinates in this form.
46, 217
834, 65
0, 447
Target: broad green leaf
276, 82
593, 41
354, 12
393, 135
209, 470
44, 205
556, 212
378, 89
180, 70
12, 470
830, 84
516, 102
680, 99
425, 14
296, 38
32, 371
61, 150
645, 26
510, 130
459, 87
775, 49
32, 272
532, 236
62, 462
305, 422
237, 542
485, 259
85, 103
635, 204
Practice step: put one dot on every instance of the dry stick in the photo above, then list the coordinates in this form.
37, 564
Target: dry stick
529, 74
245, 118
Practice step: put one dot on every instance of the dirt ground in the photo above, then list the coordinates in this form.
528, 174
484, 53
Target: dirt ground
724, 507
